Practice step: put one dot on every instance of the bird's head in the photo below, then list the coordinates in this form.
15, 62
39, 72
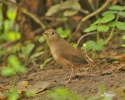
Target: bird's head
51, 35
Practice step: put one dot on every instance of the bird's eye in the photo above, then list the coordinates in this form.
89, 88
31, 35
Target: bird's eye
53, 33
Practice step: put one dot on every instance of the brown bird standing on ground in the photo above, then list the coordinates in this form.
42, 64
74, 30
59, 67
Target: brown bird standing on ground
63, 52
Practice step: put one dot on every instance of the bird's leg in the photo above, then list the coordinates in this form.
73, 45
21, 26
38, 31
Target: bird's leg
72, 75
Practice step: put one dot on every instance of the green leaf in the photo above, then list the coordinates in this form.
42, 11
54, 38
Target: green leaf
89, 45
54, 9
66, 5
122, 14
74, 45
7, 25
37, 54
46, 61
7, 71
123, 37
76, 6
107, 18
63, 94
102, 28
120, 25
64, 19
123, 45
96, 22
109, 12
13, 95
117, 7
60, 30
99, 46
63, 33
22, 55
111, 24
30, 93
12, 35
22, 69
41, 39
29, 48
70, 5
70, 12
11, 14
67, 32
91, 28
14, 63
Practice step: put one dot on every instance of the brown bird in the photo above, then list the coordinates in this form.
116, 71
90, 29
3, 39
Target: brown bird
63, 52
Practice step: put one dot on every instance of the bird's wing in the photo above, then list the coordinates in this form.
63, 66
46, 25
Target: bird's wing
68, 52
75, 58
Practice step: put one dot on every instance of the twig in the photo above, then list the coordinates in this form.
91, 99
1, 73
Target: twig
88, 56
94, 8
33, 17
8, 44
84, 11
92, 14
37, 20
82, 37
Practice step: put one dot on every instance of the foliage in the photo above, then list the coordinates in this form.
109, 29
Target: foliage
64, 33
9, 31
63, 12
30, 93
99, 24
63, 94
12, 95
13, 67
69, 8
108, 22
94, 46
25, 54
45, 62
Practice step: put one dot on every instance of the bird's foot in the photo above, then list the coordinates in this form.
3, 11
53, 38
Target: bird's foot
66, 78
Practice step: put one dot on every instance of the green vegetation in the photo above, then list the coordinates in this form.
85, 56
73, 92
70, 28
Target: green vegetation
63, 94
13, 67
21, 45
109, 23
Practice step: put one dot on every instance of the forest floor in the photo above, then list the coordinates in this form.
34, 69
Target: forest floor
52, 76
107, 73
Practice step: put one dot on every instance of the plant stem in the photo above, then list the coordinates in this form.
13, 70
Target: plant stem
98, 36
92, 14
94, 9
112, 31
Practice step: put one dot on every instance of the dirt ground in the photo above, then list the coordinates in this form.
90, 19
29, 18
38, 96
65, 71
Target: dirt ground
112, 76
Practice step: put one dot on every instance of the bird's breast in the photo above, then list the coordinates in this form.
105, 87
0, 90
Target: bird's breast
55, 53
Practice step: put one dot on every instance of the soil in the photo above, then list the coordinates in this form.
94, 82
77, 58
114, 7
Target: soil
89, 78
